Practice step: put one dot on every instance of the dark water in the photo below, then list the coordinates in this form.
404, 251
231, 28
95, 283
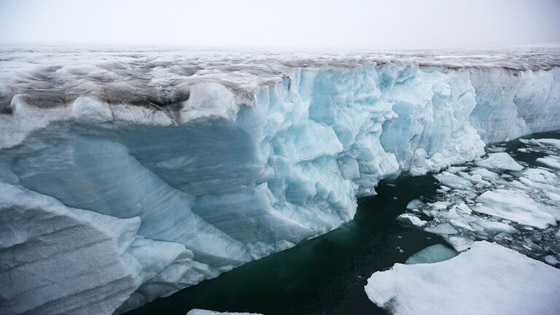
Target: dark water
325, 275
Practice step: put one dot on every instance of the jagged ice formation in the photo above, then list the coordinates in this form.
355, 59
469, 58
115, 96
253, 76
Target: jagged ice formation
128, 176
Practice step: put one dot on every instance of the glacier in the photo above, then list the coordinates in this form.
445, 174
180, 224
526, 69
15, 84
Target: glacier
127, 176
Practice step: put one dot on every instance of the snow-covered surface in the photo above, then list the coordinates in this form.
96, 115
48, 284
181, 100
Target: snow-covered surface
487, 279
197, 311
174, 86
227, 157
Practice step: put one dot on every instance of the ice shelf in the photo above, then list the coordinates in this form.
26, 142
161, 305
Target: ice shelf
178, 166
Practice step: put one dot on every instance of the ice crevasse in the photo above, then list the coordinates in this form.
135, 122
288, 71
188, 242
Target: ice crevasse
162, 198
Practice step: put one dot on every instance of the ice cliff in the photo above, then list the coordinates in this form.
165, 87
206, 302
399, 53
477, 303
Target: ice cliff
128, 176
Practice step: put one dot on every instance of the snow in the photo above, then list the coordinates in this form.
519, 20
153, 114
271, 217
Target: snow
500, 161
227, 157
487, 279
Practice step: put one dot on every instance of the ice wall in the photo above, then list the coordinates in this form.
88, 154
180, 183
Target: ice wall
182, 193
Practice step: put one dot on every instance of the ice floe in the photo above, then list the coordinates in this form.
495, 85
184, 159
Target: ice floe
486, 279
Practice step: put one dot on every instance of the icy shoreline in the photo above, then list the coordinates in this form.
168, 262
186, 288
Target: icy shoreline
221, 184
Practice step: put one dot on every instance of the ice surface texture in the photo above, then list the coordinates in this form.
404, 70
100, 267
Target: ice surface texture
207, 161
487, 279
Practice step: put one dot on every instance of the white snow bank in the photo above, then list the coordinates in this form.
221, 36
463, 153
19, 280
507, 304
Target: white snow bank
487, 279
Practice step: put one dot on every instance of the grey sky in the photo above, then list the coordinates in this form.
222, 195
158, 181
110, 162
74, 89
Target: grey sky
387, 24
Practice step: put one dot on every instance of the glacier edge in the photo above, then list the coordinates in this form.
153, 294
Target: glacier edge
249, 180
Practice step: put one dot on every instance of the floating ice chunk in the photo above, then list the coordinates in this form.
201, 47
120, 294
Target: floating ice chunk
473, 178
414, 204
462, 207
196, 311
440, 205
496, 227
442, 229
487, 279
550, 142
453, 180
550, 161
444, 189
499, 161
551, 260
459, 242
431, 254
411, 219
552, 196
539, 175
515, 206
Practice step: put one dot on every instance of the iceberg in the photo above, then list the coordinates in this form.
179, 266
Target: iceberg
486, 279
208, 160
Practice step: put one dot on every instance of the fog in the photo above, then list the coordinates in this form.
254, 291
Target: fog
340, 24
